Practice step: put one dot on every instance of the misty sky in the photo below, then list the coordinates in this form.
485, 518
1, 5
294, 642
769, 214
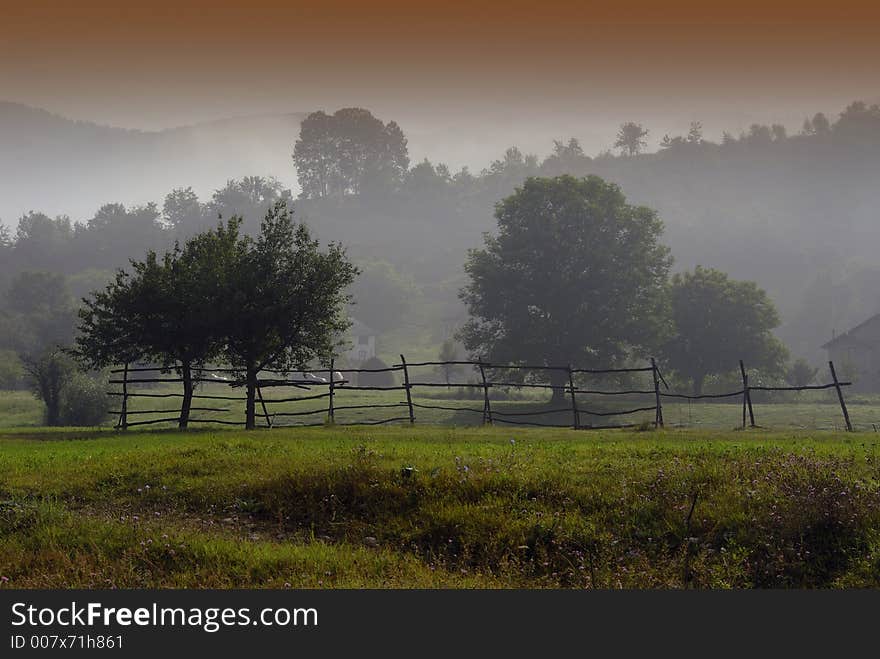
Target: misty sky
464, 79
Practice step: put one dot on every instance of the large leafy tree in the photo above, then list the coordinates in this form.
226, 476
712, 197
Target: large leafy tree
168, 309
285, 301
575, 275
717, 322
348, 153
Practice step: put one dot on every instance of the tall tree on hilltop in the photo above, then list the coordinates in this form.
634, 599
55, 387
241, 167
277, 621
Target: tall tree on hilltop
348, 153
631, 138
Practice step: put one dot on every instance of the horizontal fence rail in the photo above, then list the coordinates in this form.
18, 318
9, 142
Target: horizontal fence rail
339, 381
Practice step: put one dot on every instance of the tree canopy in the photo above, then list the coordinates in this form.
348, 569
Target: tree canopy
717, 322
349, 152
631, 138
575, 275
271, 302
285, 300
169, 310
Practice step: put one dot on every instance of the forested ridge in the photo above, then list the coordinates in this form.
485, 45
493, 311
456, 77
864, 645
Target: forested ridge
794, 211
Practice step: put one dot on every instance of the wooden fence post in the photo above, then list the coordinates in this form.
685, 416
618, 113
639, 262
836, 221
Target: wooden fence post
747, 396
574, 408
658, 417
331, 415
849, 427
487, 409
263, 404
123, 417
412, 417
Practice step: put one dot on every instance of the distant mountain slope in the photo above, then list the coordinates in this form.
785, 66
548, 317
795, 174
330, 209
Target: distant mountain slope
58, 165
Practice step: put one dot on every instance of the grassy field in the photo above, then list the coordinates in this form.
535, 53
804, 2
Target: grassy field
430, 506
807, 411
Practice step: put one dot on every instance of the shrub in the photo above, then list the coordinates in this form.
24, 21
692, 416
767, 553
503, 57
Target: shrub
83, 401
375, 379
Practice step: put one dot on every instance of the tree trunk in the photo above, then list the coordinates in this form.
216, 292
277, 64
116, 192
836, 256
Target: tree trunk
250, 408
52, 399
52, 382
186, 372
558, 380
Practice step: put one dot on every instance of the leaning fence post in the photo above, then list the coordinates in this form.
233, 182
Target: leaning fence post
263, 403
658, 417
574, 408
487, 409
849, 427
123, 417
747, 396
412, 417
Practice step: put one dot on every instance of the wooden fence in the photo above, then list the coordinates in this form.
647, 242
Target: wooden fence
405, 411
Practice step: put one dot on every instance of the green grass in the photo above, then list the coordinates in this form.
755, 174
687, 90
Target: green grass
19, 408
429, 506
819, 411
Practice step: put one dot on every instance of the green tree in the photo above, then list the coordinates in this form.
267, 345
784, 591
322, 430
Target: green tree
183, 212
248, 198
718, 321
41, 242
349, 153
114, 230
169, 310
382, 296
285, 301
631, 138
449, 353
575, 275
49, 372
567, 158
801, 373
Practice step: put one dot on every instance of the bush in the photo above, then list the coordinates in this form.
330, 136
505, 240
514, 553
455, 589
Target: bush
375, 379
83, 401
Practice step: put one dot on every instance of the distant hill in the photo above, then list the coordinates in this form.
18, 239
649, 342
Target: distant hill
57, 165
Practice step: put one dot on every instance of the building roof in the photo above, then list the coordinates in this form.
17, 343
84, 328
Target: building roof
852, 335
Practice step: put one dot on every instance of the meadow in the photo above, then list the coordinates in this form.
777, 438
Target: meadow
439, 506
793, 411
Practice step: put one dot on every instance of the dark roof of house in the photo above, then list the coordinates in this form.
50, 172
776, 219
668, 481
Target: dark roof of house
850, 336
